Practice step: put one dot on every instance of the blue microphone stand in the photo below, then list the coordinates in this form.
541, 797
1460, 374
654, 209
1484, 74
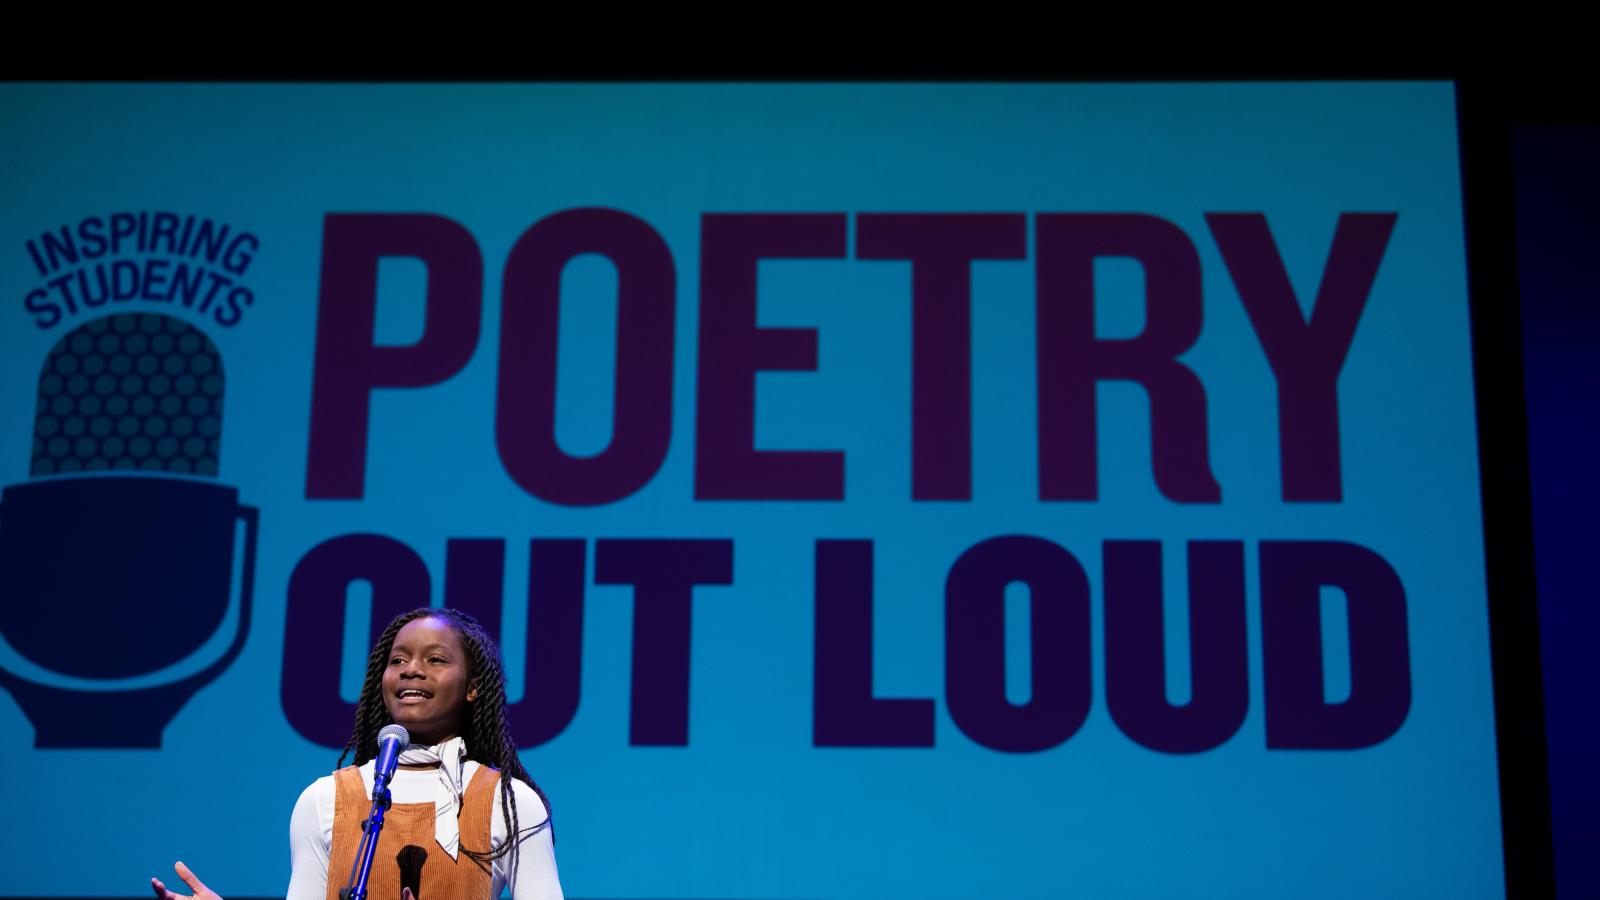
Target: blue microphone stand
390, 740
356, 888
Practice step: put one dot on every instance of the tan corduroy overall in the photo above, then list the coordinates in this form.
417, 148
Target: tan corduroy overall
407, 853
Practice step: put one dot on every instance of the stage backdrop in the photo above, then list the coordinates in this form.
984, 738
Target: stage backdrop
877, 490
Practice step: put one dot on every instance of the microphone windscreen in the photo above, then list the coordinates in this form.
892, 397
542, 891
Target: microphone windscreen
132, 391
394, 731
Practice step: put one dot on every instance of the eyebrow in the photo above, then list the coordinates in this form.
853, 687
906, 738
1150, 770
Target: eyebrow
424, 648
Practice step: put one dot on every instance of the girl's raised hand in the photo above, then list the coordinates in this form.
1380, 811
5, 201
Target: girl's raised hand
201, 892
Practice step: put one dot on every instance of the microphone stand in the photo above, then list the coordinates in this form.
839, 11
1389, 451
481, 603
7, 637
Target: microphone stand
356, 887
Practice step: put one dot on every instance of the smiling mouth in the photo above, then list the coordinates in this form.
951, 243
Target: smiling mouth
413, 694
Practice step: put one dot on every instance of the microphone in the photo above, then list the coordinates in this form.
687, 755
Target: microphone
126, 450
391, 740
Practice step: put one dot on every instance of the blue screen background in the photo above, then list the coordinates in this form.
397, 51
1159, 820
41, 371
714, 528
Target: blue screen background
750, 808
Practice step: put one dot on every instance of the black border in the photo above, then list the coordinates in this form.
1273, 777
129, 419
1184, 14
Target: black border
1485, 117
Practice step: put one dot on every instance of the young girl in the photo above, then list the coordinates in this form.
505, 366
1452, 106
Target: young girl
466, 819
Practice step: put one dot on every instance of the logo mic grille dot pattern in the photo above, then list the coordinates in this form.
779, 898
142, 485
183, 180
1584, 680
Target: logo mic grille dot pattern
133, 391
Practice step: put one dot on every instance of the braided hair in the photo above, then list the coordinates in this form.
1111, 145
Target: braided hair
486, 727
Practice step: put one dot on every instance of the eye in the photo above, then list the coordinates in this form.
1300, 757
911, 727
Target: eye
437, 659
395, 661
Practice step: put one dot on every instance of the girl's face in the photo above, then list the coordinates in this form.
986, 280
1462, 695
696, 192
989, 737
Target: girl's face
426, 684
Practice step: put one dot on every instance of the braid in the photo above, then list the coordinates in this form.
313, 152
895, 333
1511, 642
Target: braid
486, 726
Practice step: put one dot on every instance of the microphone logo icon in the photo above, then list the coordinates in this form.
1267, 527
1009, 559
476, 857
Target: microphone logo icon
126, 569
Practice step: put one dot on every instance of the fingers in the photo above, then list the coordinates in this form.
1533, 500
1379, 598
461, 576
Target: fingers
405, 894
189, 878
161, 890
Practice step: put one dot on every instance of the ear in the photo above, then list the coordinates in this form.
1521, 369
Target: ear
472, 693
